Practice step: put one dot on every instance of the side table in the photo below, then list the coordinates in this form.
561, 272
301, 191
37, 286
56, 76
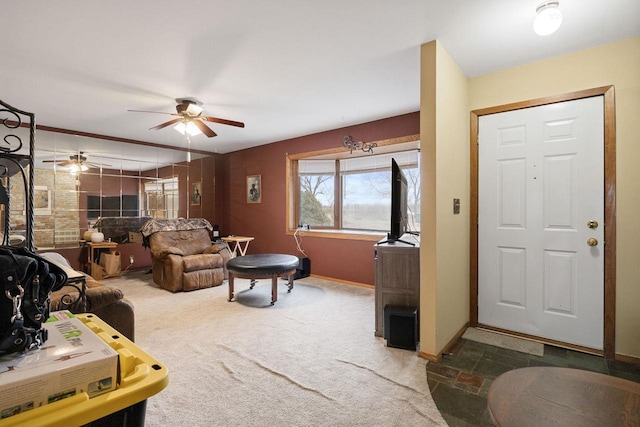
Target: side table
240, 244
92, 261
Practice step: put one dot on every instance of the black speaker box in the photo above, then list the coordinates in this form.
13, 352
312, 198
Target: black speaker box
401, 327
303, 269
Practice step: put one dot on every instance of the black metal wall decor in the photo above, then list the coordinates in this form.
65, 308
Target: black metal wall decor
366, 147
13, 160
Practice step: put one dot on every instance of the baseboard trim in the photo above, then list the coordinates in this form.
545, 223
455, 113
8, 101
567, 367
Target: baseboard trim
627, 359
345, 282
447, 348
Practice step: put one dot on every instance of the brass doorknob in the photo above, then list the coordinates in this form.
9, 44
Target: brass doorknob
592, 224
591, 241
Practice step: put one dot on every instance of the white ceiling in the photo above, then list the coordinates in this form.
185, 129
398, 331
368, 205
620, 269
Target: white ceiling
285, 68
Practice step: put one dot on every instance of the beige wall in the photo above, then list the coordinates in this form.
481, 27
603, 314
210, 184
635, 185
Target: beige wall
615, 64
444, 129
428, 170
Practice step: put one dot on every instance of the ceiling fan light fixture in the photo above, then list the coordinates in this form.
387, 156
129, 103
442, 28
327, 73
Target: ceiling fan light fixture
187, 128
194, 109
548, 19
76, 168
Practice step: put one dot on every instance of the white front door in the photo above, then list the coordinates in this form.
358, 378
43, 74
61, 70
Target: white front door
541, 194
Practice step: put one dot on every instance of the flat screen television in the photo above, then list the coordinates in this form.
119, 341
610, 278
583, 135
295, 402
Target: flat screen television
398, 202
399, 216
110, 206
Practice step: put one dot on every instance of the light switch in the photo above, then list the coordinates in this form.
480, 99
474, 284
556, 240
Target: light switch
456, 206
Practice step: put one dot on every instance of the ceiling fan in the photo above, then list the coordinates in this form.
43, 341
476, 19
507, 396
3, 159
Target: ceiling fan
76, 162
190, 119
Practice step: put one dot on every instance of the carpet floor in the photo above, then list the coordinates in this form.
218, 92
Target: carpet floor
310, 360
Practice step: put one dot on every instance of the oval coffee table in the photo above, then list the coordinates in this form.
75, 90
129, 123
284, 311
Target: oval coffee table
262, 266
550, 396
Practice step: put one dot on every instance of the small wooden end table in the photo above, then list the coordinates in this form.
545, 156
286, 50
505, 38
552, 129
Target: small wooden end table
94, 269
240, 244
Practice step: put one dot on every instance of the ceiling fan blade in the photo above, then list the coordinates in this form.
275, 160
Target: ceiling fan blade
223, 121
204, 128
154, 112
169, 123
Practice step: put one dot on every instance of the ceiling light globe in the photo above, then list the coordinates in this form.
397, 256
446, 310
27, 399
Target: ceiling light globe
188, 128
548, 20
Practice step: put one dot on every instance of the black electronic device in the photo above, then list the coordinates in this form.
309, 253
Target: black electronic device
303, 270
401, 327
399, 210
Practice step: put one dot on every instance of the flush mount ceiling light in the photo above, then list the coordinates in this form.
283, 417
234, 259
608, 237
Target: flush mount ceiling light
549, 18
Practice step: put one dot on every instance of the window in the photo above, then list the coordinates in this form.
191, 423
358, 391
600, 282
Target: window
350, 193
162, 198
317, 192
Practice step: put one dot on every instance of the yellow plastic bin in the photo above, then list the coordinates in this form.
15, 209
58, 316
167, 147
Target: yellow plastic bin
141, 376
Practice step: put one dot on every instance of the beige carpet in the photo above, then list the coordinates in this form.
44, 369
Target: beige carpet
310, 360
504, 341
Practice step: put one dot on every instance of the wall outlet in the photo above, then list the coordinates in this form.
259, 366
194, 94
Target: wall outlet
131, 259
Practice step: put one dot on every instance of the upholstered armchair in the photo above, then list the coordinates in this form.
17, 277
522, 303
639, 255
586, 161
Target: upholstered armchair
182, 255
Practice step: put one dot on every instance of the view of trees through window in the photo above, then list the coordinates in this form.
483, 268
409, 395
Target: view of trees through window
362, 186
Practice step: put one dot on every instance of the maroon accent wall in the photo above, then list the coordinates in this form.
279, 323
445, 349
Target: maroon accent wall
348, 260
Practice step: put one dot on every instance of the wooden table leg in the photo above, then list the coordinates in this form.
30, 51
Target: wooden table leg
274, 289
242, 249
230, 286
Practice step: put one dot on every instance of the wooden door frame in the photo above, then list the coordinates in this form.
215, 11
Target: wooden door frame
608, 92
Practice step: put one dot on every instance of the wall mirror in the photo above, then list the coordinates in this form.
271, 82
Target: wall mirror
81, 179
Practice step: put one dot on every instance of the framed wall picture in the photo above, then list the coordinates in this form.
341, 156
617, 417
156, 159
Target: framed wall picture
254, 188
196, 193
41, 200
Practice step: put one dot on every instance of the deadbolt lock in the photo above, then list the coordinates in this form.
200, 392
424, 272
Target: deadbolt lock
591, 241
592, 224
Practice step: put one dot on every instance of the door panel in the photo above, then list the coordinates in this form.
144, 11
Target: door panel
540, 180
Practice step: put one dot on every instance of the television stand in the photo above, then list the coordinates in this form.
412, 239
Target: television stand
397, 278
390, 240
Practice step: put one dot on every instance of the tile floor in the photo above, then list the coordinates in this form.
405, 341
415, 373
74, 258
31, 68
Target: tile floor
459, 383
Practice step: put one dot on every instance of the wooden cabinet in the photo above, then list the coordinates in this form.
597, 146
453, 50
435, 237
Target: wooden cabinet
397, 277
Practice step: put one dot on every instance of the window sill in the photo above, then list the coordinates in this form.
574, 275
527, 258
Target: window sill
341, 234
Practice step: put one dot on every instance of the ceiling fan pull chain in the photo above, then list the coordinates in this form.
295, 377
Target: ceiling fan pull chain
188, 147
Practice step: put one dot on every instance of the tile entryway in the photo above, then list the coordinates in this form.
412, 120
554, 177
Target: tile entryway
459, 383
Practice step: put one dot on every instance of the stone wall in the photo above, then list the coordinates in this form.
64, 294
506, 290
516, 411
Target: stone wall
56, 209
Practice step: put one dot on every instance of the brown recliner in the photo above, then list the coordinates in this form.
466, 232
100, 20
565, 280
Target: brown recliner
182, 255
